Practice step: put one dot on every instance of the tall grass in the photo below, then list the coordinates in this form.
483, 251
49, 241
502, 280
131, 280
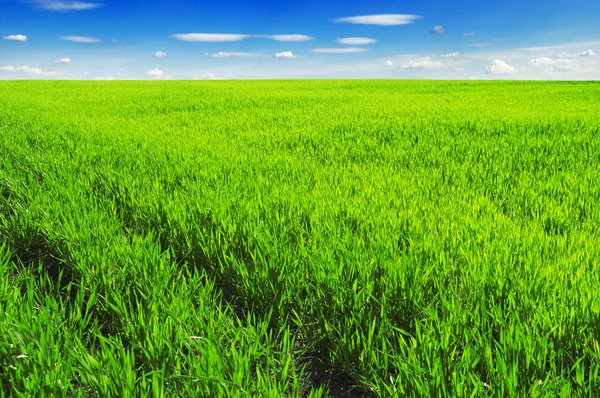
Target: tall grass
311, 238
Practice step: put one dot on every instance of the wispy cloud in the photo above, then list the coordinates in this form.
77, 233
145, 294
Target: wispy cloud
388, 63
407, 56
423, 63
229, 37
31, 71
380, 19
63, 61
160, 54
209, 37
587, 53
467, 34
450, 55
545, 61
21, 38
51, 73
290, 38
226, 54
498, 67
52, 5
208, 76
342, 50
561, 46
81, 39
438, 30
285, 54
356, 41
482, 45
542, 48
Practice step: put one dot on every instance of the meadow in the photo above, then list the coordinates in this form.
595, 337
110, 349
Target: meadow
300, 238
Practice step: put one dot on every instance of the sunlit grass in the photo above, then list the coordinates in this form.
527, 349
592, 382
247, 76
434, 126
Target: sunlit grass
300, 238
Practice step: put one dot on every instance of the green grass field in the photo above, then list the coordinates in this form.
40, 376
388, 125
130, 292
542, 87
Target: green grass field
300, 238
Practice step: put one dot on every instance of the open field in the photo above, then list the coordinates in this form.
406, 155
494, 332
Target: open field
300, 238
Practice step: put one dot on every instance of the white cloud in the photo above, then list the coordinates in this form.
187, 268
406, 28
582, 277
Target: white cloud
52, 73
571, 46
459, 69
27, 69
339, 66
482, 45
344, 50
208, 76
226, 54
222, 55
228, 37
53, 5
380, 19
588, 53
450, 55
499, 67
285, 54
81, 39
287, 38
469, 34
438, 30
356, 41
541, 48
160, 54
63, 61
31, 71
541, 61
20, 38
155, 73
388, 63
423, 63
101, 77
209, 37
563, 64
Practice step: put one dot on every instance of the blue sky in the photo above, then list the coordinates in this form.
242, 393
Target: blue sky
185, 39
